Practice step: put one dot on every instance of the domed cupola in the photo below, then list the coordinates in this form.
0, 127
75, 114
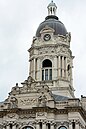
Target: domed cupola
52, 21
51, 59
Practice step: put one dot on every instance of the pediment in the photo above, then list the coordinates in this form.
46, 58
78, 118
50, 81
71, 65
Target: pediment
47, 29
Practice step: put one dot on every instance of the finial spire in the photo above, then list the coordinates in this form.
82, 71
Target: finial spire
52, 8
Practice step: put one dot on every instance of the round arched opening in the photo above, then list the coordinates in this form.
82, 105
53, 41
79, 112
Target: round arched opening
46, 70
46, 63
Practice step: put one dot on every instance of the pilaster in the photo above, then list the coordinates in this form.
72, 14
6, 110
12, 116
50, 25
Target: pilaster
62, 66
59, 66
14, 126
44, 125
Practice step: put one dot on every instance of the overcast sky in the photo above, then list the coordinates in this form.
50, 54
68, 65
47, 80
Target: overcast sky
19, 20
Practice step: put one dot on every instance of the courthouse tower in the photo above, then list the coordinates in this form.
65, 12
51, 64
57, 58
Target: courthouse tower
46, 98
51, 59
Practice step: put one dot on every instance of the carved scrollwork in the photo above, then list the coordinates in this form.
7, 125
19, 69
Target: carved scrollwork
11, 115
28, 101
42, 100
27, 116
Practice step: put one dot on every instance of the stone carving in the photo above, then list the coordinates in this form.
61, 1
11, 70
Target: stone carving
28, 101
13, 102
27, 87
42, 101
47, 49
40, 114
62, 49
69, 37
11, 115
63, 123
27, 116
47, 29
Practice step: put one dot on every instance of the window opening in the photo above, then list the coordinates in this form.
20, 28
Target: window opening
47, 70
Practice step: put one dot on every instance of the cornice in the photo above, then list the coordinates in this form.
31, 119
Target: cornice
77, 109
47, 45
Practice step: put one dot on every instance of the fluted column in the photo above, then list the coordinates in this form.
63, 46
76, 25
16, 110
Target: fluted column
66, 68
59, 66
52, 125
37, 126
38, 69
44, 125
34, 68
62, 66
70, 125
54, 69
77, 125
14, 126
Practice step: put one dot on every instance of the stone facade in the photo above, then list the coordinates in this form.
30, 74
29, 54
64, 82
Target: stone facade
46, 99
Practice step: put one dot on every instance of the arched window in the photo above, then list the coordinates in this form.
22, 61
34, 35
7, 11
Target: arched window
27, 127
62, 127
47, 70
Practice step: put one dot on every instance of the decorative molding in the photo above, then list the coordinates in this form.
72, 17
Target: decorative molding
28, 101
39, 114
27, 116
11, 115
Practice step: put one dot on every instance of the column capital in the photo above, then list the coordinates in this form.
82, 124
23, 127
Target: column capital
14, 123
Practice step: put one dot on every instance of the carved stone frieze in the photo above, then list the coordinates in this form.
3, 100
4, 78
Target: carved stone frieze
27, 116
48, 50
11, 115
27, 101
39, 114
62, 123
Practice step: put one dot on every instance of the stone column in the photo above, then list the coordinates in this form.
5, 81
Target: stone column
52, 125
37, 126
59, 66
70, 124
66, 68
7, 127
14, 126
38, 69
44, 125
54, 68
34, 69
77, 125
62, 66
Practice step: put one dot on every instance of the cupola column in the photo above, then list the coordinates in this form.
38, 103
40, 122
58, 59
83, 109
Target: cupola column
59, 67
66, 75
63, 67
38, 69
14, 126
54, 68
34, 69
52, 8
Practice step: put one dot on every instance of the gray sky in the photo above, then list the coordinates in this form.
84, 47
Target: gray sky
19, 20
